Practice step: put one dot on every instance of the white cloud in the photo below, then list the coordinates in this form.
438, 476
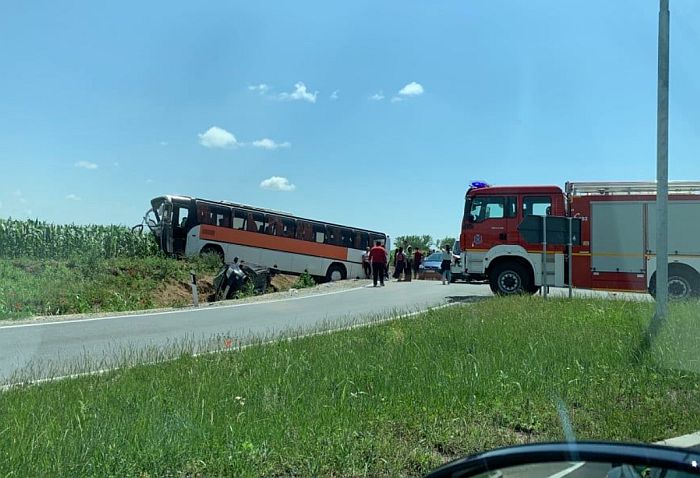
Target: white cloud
85, 165
411, 89
267, 143
20, 197
262, 88
216, 137
377, 96
73, 197
396, 99
334, 95
300, 93
277, 183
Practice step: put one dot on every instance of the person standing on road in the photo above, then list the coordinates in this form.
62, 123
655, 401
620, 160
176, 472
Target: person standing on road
386, 261
377, 257
417, 261
409, 264
399, 263
446, 264
365, 263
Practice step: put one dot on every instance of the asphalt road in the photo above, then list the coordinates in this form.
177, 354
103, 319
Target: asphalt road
45, 349
39, 350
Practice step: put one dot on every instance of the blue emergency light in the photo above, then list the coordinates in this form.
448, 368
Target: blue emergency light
479, 184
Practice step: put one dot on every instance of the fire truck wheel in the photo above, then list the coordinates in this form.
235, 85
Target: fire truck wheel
509, 278
680, 285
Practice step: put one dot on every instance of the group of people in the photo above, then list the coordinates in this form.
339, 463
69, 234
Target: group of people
375, 262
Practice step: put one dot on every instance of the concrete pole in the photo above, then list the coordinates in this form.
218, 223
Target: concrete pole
662, 167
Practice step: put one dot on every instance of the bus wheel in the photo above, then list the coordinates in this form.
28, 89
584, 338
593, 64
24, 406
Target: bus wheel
212, 249
336, 272
509, 278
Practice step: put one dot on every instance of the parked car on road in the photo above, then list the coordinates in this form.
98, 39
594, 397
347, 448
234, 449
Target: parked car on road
431, 262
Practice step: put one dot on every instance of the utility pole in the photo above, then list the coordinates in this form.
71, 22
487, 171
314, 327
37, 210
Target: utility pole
662, 169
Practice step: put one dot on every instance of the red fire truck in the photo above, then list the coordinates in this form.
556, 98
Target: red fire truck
617, 237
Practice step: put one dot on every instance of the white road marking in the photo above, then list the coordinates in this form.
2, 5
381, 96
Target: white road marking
684, 441
568, 470
179, 311
9, 386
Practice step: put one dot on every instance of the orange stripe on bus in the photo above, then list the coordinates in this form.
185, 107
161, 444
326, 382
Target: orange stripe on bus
265, 241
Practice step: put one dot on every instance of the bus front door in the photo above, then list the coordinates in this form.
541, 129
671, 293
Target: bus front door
180, 228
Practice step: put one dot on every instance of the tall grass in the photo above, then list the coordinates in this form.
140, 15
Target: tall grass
42, 240
395, 399
30, 287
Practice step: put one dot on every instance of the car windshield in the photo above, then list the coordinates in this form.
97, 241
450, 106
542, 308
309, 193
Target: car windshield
203, 204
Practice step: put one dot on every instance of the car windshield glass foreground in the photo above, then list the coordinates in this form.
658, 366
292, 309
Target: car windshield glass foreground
220, 254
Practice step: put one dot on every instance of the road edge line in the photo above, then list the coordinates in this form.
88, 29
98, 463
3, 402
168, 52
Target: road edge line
9, 386
177, 311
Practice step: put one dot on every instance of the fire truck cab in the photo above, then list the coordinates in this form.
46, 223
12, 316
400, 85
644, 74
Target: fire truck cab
618, 235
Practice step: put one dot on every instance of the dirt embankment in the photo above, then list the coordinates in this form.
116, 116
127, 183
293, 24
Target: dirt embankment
178, 293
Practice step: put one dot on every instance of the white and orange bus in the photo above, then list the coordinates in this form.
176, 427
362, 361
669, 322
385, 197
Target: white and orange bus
189, 226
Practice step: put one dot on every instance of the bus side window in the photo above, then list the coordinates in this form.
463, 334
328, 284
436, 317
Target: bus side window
259, 221
220, 217
287, 227
202, 213
376, 237
304, 231
250, 224
319, 233
360, 240
345, 238
279, 226
337, 236
273, 225
238, 219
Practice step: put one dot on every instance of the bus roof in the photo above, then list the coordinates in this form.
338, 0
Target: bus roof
269, 211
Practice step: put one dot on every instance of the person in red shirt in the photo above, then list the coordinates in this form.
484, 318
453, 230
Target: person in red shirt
377, 257
417, 260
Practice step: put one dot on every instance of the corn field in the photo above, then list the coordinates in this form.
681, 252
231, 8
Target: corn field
41, 240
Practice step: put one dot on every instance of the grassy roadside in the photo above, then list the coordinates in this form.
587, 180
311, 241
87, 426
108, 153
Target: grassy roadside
30, 287
393, 399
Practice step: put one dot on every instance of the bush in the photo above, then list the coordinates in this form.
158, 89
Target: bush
305, 280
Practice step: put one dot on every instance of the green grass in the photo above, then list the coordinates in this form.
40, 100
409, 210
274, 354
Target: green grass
387, 400
30, 287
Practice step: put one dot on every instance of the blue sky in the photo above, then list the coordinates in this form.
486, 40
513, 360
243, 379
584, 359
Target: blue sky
104, 106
